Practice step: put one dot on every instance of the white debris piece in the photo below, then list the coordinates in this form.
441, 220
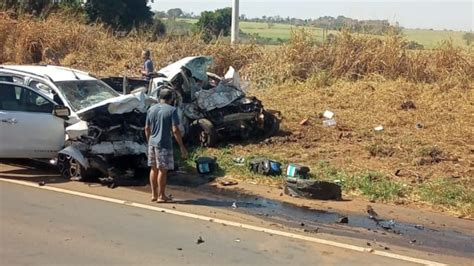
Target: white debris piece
77, 130
329, 123
328, 114
378, 128
233, 75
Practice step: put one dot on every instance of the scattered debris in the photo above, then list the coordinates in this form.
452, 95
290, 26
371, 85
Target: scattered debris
413, 241
199, 240
378, 128
237, 240
419, 126
304, 122
313, 189
386, 248
368, 244
301, 224
265, 166
328, 114
387, 225
419, 226
343, 220
228, 183
234, 205
407, 105
372, 214
370, 250
42, 183
179, 249
239, 161
297, 171
329, 122
206, 165
314, 231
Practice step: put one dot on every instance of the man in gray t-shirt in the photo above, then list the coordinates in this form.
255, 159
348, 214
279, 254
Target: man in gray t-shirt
147, 68
161, 120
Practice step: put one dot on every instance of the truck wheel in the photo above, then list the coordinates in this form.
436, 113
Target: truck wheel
204, 133
72, 170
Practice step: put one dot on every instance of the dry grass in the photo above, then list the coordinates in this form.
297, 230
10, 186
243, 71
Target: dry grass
363, 80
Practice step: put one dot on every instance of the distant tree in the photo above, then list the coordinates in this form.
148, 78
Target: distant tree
119, 14
468, 37
175, 13
160, 14
37, 7
270, 24
215, 23
158, 29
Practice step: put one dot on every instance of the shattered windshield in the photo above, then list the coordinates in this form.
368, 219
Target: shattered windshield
84, 93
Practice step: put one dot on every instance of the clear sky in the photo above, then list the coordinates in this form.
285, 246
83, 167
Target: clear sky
454, 15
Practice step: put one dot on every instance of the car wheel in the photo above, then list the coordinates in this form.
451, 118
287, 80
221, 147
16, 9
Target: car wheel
204, 133
271, 124
71, 169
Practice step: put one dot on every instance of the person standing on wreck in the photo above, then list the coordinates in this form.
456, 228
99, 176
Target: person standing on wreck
162, 120
147, 69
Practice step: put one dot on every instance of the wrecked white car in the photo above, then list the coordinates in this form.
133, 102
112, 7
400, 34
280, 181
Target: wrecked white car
31, 124
109, 141
213, 108
104, 132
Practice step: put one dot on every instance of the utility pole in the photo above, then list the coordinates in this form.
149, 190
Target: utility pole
234, 36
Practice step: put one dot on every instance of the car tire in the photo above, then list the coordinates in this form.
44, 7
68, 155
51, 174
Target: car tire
204, 133
70, 168
271, 124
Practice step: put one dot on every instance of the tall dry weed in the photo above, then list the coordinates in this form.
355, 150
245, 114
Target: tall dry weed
349, 56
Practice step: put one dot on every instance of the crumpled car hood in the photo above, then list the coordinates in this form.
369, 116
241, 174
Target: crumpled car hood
118, 105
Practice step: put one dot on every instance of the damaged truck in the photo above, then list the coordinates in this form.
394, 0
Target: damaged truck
104, 131
213, 108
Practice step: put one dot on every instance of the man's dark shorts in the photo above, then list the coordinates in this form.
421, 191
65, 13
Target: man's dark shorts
160, 158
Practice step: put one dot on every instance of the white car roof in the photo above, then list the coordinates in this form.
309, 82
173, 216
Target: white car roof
56, 73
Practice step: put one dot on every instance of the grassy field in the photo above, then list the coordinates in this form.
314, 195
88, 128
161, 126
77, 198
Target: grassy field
428, 38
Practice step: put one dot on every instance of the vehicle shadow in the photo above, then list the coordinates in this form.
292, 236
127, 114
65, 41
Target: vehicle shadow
30, 170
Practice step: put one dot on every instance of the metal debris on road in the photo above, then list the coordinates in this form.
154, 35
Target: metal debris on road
199, 240
343, 220
419, 226
372, 214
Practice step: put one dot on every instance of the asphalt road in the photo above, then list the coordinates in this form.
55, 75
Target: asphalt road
40, 227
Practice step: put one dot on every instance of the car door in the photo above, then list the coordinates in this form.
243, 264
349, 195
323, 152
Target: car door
28, 129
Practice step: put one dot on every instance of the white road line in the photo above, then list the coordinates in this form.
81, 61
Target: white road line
229, 223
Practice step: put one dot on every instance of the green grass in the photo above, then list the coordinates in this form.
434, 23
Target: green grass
373, 185
433, 38
444, 192
428, 38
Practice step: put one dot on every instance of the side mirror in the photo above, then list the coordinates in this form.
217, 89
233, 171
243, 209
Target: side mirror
61, 111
